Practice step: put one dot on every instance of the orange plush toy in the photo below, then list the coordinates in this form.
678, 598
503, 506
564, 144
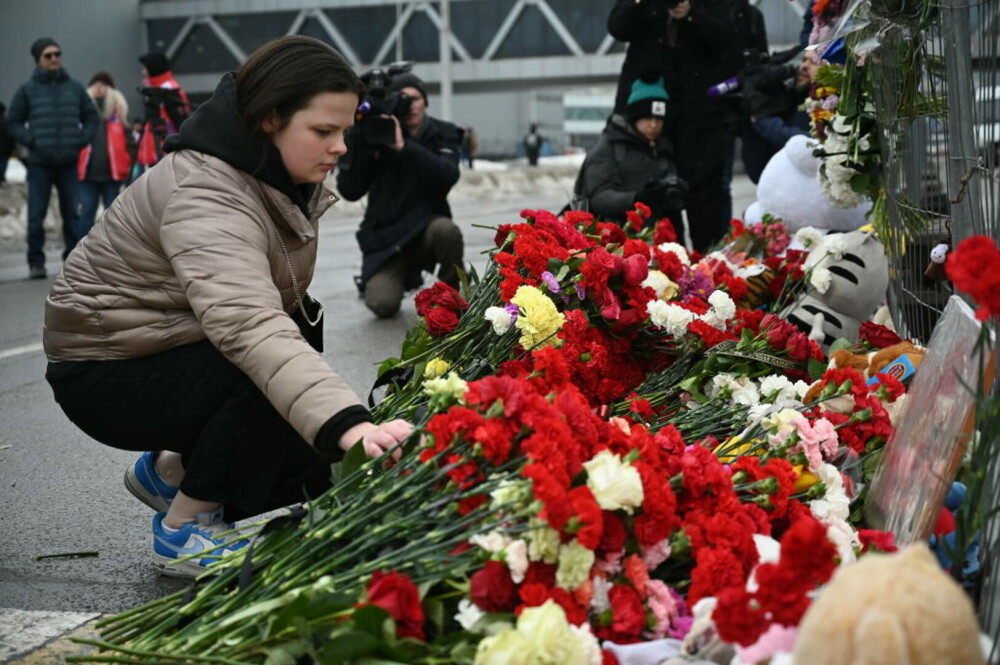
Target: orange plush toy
870, 364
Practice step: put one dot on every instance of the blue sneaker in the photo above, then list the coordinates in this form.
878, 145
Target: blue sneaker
142, 480
198, 537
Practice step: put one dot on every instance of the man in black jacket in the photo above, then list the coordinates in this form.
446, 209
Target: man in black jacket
407, 225
52, 115
6, 144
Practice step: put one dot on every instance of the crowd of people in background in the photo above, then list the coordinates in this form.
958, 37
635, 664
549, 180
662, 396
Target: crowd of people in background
82, 141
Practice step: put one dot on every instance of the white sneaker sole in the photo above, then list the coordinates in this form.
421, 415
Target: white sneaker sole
132, 484
188, 569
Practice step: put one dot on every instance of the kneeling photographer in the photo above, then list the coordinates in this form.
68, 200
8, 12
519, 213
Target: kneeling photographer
634, 161
407, 162
773, 95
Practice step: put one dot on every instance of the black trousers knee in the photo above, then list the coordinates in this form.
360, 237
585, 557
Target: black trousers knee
236, 448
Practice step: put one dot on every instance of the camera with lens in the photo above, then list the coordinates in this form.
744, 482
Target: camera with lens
371, 121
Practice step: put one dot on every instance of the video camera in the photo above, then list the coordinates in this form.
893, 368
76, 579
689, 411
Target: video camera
372, 126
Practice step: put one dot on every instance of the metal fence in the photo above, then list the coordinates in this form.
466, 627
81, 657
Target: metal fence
936, 81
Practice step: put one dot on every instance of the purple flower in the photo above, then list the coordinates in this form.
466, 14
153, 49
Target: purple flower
694, 284
551, 282
512, 310
581, 292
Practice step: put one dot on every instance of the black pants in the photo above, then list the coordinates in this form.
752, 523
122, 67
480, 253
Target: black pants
236, 449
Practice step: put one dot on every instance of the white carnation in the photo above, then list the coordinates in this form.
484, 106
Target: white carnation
500, 318
591, 648
600, 601
516, 555
468, 614
808, 237
820, 279
616, 485
492, 542
723, 309
774, 387
673, 319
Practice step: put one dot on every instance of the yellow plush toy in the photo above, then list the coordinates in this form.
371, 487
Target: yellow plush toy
890, 609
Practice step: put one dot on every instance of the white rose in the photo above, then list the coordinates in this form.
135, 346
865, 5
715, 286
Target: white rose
615, 485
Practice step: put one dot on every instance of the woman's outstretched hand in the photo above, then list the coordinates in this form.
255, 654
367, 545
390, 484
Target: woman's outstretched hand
377, 439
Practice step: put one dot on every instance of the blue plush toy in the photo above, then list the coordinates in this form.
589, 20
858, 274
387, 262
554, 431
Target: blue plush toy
942, 541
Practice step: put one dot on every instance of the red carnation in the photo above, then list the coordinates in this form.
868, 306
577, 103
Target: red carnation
972, 269
398, 595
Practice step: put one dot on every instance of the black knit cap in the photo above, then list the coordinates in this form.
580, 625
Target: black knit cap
40, 45
409, 80
102, 77
155, 62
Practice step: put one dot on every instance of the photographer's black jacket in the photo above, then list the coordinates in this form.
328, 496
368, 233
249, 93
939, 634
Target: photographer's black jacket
406, 189
611, 177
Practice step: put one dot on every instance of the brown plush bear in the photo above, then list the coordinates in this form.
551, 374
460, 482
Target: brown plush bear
890, 609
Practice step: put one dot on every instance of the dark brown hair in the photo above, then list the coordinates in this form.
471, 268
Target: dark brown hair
284, 74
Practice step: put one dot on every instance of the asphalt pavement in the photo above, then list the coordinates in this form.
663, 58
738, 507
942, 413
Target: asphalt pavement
61, 492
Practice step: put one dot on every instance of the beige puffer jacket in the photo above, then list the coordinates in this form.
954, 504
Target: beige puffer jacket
190, 251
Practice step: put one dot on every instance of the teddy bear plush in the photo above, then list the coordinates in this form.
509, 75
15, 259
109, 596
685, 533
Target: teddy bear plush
890, 609
789, 190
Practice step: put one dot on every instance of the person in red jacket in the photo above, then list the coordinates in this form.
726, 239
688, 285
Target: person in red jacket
166, 105
104, 164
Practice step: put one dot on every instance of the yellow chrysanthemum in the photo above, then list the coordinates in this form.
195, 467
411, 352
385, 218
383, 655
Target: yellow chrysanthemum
538, 319
435, 368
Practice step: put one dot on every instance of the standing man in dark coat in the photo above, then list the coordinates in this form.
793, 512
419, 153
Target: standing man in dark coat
52, 115
407, 225
690, 43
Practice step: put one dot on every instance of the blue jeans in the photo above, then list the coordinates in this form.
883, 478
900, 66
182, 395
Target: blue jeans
40, 181
90, 194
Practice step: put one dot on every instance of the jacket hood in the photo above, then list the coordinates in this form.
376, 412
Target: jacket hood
620, 129
216, 128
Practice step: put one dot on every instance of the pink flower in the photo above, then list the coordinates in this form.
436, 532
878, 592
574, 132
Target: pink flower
777, 639
815, 440
656, 554
663, 606
611, 563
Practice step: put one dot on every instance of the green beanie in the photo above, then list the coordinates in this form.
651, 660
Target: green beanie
648, 99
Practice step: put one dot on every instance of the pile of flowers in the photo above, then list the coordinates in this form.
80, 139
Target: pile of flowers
619, 441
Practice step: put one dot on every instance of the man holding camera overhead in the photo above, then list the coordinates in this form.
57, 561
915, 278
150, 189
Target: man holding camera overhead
693, 44
407, 162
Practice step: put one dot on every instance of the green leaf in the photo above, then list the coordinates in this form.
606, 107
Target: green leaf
838, 344
861, 183
353, 459
345, 645
815, 369
286, 654
372, 620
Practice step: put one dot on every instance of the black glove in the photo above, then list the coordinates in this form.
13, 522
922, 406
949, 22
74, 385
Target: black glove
652, 194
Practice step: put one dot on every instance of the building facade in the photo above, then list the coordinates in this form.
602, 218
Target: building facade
510, 62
